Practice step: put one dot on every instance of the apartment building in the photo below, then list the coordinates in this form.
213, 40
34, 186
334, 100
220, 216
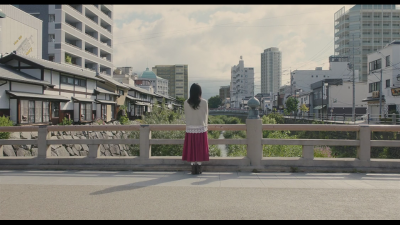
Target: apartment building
271, 70
242, 84
370, 26
79, 35
387, 61
224, 92
177, 76
19, 32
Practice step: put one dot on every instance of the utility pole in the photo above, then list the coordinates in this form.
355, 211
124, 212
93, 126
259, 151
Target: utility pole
291, 82
354, 90
380, 93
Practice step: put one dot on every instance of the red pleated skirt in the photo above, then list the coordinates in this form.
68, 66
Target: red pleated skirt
195, 147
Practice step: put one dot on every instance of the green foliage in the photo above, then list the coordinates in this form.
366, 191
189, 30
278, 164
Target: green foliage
278, 117
123, 119
236, 150
161, 115
304, 108
5, 122
214, 102
180, 100
292, 104
68, 58
214, 151
282, 150
66, 121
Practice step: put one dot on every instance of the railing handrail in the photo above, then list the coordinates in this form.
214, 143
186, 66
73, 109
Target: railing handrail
253, 140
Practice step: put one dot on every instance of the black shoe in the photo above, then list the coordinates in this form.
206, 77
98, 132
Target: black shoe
199, 170
194, 169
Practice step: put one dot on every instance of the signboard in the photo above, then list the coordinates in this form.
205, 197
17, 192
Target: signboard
396, 91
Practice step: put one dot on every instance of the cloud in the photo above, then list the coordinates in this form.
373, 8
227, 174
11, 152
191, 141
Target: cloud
211, 38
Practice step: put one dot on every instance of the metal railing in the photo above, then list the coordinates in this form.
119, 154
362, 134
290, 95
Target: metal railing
252, 160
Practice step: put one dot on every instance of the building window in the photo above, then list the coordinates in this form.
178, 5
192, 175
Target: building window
51, 58
374, 86
121, 92
72, 81
375, 65
86, 111
388, 83
52, 38
52, 18
55, 107
34, 111
387, 60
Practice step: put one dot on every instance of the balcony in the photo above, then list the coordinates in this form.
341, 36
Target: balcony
77, 8
70, 25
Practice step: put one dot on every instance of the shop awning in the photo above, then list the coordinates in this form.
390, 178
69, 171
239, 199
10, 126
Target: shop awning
41, 96
79, 99
319, 106
105, 101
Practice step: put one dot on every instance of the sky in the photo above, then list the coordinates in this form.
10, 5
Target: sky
211, 38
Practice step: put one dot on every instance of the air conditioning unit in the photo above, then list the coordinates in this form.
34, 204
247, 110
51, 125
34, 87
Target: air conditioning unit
375, 94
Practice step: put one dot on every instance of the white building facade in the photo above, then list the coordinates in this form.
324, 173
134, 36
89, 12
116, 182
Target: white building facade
386, 59
20, 32
372, 26
160, 85
271, 70
242, 83
338, 69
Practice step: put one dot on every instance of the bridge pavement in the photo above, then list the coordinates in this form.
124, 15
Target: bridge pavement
121, 195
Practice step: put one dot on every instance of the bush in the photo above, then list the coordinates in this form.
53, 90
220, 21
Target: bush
5, 122
278, 117
66, 121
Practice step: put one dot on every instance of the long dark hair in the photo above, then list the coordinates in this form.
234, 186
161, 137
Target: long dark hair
195, 93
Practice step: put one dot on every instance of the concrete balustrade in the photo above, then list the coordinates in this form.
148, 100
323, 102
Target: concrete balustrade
254, 161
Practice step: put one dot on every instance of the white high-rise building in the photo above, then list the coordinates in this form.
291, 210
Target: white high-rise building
242, 84
77, 35
372, 26
271, 70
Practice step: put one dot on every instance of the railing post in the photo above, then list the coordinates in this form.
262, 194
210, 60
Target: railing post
364, 149
94, 150
308, 152
43, 147
144, 141
394, 118
254, 136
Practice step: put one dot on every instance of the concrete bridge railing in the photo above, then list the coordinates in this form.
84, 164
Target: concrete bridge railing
254, 161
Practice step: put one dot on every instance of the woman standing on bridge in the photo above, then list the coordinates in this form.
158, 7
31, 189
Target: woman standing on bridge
195, 147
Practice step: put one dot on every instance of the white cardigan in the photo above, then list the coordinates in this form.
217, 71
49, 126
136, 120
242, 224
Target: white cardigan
196, 119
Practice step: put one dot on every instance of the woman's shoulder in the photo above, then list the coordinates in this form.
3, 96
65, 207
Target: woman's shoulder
203, 100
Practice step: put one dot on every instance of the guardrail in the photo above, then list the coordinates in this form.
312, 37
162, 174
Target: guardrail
254, 159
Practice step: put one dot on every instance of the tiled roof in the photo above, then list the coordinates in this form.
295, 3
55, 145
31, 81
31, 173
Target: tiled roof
33, 95
53, 66
9, 73
111, 80
80, 99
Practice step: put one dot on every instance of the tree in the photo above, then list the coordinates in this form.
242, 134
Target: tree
214, 102
180, 100
304, 108
292, 104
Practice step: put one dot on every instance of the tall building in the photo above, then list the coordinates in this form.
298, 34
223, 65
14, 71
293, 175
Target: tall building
177, 76
371, 26
242, 84
224, 92
271, 70
80, 35
19, 32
